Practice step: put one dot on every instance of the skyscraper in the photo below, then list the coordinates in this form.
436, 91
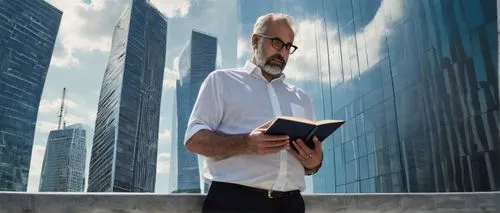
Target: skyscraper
28, 30
63, 168
124, 151
417, 117
416, 82
196, 62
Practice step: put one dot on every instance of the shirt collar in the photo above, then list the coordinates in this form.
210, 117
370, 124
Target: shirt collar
251, 68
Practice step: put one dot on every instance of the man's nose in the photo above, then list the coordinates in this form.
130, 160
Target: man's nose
283, 52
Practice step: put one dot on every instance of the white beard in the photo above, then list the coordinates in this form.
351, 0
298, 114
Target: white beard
261, 61
273, 70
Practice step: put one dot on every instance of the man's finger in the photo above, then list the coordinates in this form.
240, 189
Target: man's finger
317, 145
266, 125
304, 147
299, 149
297, 155
275, 143
274, 149
274, 137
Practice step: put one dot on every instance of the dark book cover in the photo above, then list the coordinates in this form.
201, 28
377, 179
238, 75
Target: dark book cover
304, 129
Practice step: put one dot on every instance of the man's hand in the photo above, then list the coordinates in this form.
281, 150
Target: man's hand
260, 143
310, 158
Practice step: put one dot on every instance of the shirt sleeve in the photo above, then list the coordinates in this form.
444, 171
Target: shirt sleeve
208, 108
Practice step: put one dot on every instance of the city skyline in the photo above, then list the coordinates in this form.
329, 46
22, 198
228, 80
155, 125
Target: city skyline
82, 63
320, 57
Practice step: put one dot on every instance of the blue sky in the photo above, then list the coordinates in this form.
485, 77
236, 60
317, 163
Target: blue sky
84, 39
80, 57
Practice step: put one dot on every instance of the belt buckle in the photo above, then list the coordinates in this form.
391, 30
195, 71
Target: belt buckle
270, 194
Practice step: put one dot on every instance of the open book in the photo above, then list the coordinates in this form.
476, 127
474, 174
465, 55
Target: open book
304, 129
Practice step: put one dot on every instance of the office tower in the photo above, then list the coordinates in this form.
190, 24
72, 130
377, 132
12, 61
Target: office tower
124, 151
63, 167
416, 82
196, 62
28, 30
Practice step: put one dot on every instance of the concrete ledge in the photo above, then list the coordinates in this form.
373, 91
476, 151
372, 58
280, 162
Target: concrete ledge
12, 202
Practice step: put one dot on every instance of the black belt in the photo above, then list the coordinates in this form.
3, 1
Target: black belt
268, 193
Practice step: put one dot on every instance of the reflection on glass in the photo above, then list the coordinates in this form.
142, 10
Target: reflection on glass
416, 82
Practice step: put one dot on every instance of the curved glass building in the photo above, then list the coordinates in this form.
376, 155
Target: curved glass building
416, 81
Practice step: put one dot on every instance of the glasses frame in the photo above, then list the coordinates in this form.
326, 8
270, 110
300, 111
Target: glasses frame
287, 46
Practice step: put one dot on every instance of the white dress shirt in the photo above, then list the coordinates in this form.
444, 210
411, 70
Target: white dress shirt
236, 101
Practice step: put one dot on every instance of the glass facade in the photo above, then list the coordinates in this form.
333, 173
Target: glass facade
64, 162
197, 60
416, 81
28, 30
124, 151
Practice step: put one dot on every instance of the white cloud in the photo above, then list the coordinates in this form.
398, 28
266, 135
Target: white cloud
171, 8
373, 32
311, 61
91, 115
73, 112
79, 31
53, 106
163, 163
312, 53
165, 135
45, 126
73, 119
67, 60
164, 140
218, 60
311, 56
37, 156
243, 47
170, 78
175, 63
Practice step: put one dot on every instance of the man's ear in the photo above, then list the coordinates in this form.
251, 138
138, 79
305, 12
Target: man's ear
255, 42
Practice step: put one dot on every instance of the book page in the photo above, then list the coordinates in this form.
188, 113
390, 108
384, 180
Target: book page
301, 120
322, 122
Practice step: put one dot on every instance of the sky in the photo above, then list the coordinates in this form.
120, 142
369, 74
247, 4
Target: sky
84, 40
78, 63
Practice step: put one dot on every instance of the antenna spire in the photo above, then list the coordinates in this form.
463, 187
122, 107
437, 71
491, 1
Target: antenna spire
61, 110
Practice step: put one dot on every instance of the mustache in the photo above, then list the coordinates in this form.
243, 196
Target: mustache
278, 57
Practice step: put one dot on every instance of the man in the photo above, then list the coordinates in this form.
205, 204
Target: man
250, 171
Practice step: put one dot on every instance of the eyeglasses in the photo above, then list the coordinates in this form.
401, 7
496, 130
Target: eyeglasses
278, 44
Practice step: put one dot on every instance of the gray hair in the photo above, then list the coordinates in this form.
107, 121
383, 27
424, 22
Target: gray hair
262, 22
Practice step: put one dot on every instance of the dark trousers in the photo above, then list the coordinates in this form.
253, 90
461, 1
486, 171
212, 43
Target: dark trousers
228, 197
